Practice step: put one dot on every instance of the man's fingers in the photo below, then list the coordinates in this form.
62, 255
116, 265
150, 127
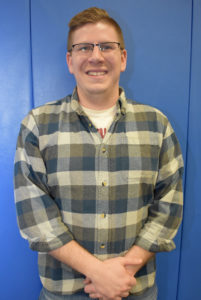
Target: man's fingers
90, 289
95, 296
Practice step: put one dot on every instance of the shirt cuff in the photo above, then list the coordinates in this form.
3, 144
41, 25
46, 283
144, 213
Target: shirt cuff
158, 245
57, 242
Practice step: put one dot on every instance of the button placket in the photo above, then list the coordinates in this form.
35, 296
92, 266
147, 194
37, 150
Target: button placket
102, 203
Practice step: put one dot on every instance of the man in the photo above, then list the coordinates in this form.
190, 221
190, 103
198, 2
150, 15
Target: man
97, 177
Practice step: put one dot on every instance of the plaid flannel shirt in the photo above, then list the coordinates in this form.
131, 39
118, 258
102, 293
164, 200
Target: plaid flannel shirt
108, 194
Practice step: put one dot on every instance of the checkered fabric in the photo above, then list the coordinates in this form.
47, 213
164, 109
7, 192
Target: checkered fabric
107, 194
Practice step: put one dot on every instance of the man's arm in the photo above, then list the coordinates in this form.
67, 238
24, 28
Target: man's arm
141, 254
165, 210
38, 215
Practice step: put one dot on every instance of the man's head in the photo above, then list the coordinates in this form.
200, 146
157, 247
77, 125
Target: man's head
93, 15
96, 56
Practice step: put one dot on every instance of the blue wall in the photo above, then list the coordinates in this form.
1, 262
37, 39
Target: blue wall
163, 39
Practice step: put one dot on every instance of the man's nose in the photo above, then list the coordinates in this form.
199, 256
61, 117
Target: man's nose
96, 54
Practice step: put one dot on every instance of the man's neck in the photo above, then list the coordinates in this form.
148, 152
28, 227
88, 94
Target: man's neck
98, 101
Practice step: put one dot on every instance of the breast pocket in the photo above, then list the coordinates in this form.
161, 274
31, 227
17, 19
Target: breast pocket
138, 165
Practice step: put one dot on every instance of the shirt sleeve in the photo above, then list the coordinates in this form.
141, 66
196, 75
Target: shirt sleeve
165, 211
38, 215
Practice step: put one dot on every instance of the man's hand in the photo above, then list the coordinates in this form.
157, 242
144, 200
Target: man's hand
112, 281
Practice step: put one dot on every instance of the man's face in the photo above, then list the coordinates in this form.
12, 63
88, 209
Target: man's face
97, 73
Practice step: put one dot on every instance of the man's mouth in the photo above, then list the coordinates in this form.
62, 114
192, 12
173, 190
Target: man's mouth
94, 73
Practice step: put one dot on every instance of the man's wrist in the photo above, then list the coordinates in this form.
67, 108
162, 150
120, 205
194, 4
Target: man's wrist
138, 252
94, 267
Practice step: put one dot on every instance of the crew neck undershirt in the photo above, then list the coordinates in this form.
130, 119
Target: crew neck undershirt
101, 119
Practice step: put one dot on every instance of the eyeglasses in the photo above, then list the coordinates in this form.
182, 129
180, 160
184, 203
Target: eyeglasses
87, 48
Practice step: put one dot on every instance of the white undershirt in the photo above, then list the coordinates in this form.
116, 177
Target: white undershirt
101, 119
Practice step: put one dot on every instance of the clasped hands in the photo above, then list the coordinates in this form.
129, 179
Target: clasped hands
113, 279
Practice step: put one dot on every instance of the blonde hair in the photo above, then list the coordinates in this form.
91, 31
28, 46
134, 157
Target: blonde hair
93, 15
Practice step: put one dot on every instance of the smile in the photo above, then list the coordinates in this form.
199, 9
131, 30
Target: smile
93, 73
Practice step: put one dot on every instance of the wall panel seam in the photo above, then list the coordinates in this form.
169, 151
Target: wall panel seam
31, 58
187, 146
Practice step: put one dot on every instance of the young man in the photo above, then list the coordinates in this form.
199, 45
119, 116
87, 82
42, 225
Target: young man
97, 177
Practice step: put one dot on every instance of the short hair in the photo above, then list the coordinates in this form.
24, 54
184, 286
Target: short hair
93, 15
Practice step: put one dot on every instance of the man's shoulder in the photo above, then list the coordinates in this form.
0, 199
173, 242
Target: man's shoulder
48, 112
52, 106
139, 108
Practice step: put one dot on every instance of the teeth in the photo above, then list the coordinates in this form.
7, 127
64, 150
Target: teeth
96, 73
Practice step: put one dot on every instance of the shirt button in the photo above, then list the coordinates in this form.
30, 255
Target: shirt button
90, 125
103, 150
102, 246
104, 183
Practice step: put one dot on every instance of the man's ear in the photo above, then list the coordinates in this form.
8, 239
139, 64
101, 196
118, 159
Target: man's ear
123, 60
69, 62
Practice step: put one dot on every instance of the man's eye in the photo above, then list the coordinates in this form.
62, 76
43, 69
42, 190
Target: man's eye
84, 48
106, 47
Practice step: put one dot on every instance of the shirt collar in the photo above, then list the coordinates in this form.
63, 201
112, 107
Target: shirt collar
121, 103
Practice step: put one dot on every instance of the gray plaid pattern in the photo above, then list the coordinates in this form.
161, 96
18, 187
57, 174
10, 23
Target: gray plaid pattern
107, 194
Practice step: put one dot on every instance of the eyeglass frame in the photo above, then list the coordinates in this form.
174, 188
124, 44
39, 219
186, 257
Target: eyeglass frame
96, 44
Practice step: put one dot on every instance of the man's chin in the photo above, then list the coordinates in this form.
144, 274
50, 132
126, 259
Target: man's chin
97, 91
